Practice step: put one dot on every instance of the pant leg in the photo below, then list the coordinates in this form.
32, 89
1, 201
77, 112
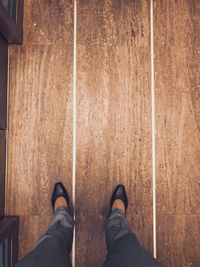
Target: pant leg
124, 250
54, 247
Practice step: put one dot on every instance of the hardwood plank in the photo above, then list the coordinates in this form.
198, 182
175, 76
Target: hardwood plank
2, 170
114, 121
40, 119
48, 22
40, 114
3, 82
177, 66
175, 231
113, 23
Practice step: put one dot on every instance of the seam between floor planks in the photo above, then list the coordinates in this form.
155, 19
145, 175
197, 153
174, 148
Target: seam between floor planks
153, 127
74, 131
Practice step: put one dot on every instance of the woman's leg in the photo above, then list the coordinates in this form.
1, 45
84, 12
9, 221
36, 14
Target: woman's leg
124, 250
54, 247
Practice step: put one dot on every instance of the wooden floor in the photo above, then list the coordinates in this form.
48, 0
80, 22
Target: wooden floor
177, 65
114, 130
114, 121
40, 115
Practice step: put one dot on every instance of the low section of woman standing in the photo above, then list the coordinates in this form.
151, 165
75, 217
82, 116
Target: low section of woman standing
54, 247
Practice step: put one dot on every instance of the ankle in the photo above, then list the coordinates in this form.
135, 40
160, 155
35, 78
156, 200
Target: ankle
118, 204
60, 201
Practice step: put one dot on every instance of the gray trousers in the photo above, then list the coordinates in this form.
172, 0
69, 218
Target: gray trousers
54, 247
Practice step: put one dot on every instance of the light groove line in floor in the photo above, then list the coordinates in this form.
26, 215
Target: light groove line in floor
74, 128
153, 127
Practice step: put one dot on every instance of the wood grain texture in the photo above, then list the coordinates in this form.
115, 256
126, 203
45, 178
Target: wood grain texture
113, 121
178, 240
40, 116
39, 134
2, 170
3, 82
48, 22
177, 63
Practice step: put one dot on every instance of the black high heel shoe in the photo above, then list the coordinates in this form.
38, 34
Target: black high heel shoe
59, 191
120, 193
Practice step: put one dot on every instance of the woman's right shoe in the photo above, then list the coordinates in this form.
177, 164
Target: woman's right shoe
59, 191
120, 193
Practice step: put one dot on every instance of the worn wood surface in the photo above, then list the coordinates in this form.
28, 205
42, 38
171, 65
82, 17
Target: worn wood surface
2, 170
40, 117
48, 22
3, 82
177, 64
113, 121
